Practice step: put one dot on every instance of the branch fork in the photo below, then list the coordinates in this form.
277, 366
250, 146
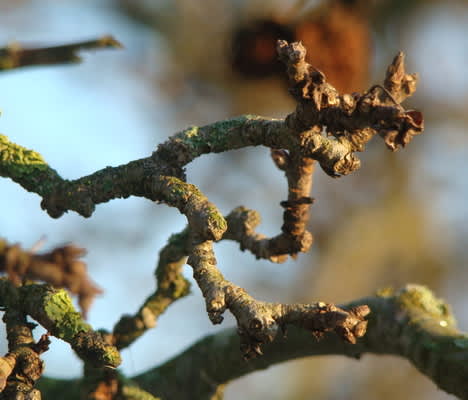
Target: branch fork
326, 127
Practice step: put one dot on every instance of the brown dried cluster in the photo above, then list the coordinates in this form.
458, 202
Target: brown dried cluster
357, 118
60, 267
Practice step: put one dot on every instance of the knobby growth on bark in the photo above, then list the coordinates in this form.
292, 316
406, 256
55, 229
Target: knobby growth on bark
327, 128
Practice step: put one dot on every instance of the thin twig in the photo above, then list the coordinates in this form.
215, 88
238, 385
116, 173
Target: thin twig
16, 56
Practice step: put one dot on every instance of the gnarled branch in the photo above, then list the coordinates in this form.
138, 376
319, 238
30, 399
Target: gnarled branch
410, 323
259, 322
326, 126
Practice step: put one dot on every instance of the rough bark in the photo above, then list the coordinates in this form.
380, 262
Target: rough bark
327, 128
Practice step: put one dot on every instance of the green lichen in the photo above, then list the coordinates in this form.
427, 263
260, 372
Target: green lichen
6, 64
327, 145
191, 131
181, 189
171, 283
180, 286
221, 138
27, 168
59, 309
111, 357
108, 184
17, 160
194, 139
216, 137
216, 219
92, 348
420, 297
426, 313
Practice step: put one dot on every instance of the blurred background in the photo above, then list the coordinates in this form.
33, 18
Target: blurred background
400, 219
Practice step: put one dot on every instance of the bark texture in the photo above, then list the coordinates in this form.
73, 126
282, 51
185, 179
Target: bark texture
326, 128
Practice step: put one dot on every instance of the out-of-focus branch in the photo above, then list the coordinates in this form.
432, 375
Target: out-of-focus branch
60, 267
106, 384
156, 18
410, 323
15, 56
171, 286
122, 389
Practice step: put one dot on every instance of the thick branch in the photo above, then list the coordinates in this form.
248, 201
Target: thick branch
122, 388
54, 310
410, 323
108, 384
15, 56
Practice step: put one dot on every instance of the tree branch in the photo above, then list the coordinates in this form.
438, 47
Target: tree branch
23, 364
325, 127
15, 56
259, 322
294, 237
171, 286
410, 323
353, 120
54, 310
